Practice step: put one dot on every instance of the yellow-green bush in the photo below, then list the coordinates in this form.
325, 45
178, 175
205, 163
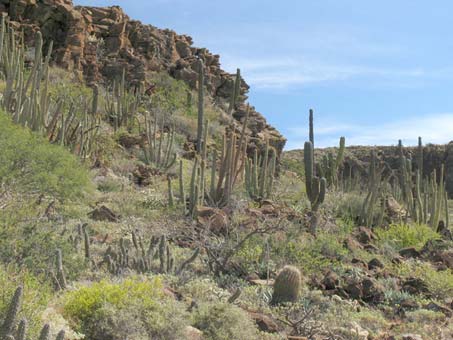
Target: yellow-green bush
404, 235
223, 321
133, 305
28, 163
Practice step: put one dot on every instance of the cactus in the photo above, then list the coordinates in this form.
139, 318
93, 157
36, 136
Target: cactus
159, 151
61, 334
86, 240
235, 93
331, 165
170, 192
61, 279
200, 104
259, 174
287, 286
45, 333
22, 329
315, 186
11, 315
311, 134
162, 254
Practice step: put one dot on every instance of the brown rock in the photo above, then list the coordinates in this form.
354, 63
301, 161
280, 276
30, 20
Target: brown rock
438, 308
365, 235
103, 213
193, 333
410, 252
375, 264
264, 322
330, 281
414, 286
411, 337
214, 219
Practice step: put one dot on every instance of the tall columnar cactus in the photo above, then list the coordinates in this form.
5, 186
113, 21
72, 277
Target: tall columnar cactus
11, 315
45, 332
170, 192
86, 241
235, 93
61, 334
200, 104
331, 164
374, 191
314, 186
259, 174
22, 330
287, 286
121, 105
159, 149
61, 279
311, 133
420, 157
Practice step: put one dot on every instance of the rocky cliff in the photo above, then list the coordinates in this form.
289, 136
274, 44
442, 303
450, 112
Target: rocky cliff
98, 43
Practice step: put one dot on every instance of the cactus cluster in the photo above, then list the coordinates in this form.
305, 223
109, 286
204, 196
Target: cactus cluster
134, 255
259, 174
424, 195
331, 164
235, 93
159, 149
27, 99
287, 286
374, 192
121, 105
225, 170
12, 330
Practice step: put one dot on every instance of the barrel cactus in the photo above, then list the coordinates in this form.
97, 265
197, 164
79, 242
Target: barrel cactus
287, 285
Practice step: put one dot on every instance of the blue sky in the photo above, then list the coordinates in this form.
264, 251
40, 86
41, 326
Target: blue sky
373, 71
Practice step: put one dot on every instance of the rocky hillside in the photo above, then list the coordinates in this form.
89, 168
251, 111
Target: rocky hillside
99, 43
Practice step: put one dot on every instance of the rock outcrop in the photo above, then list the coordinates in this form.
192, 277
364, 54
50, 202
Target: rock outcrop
98, 43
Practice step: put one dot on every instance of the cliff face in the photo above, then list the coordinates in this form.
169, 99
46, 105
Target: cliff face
98, 43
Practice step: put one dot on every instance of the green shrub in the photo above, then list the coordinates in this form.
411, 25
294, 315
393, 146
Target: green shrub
130, 307
36, 295
223, 321
29, 164
439, 283
403, 235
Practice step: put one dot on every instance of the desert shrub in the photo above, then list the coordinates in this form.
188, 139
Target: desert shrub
29, 164
223, 321
36, 294
348, 205
203, 290
404, 235
112, 306
439, 283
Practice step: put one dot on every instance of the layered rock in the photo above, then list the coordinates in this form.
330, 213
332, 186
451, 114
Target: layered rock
98, 43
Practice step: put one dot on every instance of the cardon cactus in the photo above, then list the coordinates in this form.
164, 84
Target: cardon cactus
287, 285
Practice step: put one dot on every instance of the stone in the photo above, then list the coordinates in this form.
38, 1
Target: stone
214, 219
375, 264
414, 286
411, 337
264, 322
192, 333
365, 235
330, 281
103, 213
438, 308
372, 291
410, 252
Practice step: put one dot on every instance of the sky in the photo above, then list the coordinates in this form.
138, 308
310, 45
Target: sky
372, 71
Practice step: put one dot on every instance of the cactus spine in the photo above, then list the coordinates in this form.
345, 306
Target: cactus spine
287, 286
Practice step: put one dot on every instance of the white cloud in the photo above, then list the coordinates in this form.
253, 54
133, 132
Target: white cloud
434, 128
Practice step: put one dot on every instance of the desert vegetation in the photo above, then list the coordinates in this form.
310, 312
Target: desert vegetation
135, 213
